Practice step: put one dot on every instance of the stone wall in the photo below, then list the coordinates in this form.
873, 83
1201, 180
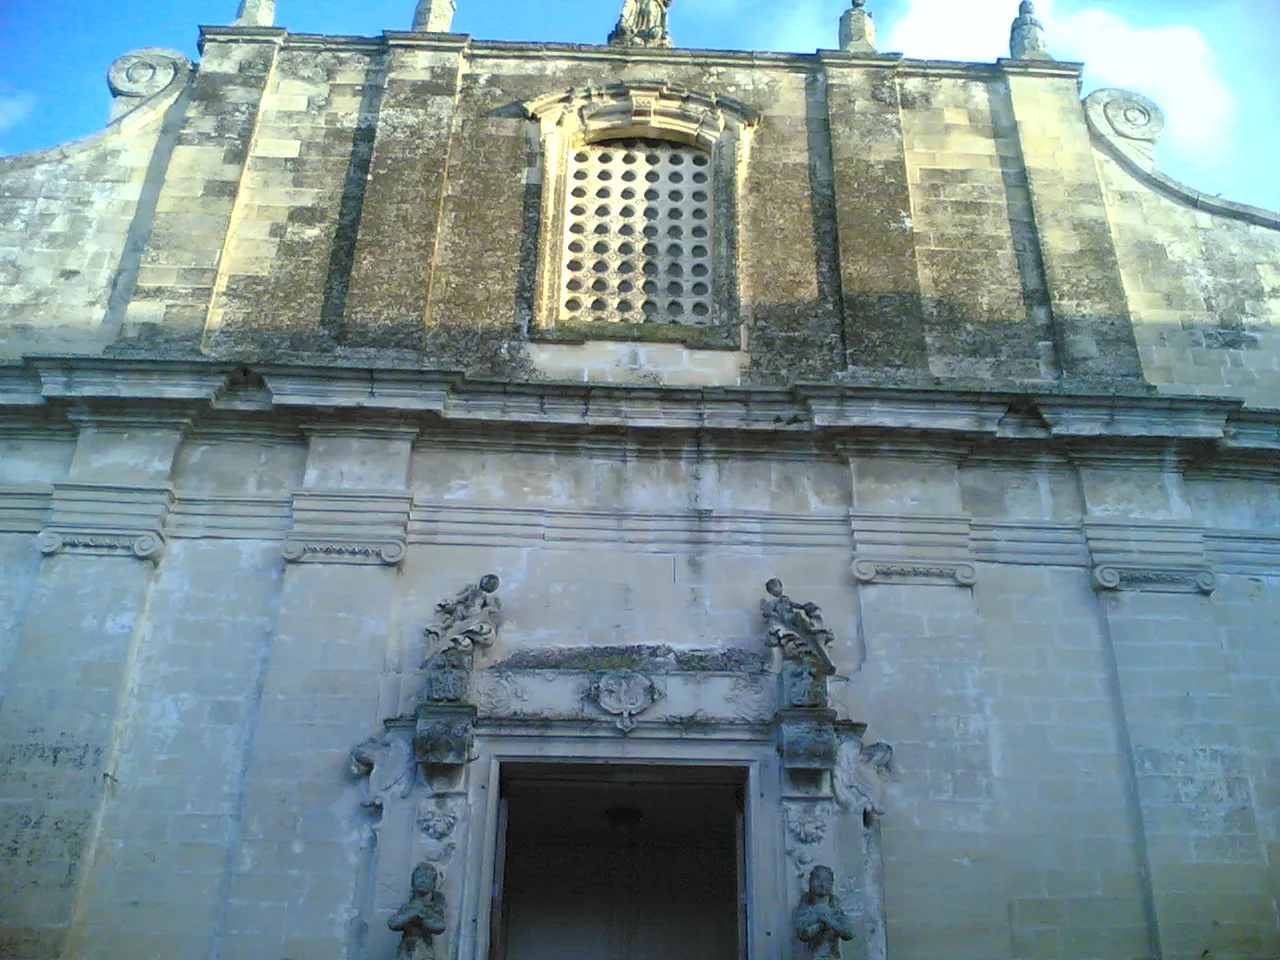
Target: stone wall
381, 201
1065, 641
1204, 289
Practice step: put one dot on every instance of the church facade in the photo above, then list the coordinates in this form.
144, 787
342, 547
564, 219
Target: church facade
500, 501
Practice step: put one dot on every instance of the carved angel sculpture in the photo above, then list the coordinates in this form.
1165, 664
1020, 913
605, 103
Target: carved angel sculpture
643, 23
422, 917
469, 618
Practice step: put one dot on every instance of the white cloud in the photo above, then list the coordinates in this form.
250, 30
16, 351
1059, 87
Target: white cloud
1173, 65
14, 108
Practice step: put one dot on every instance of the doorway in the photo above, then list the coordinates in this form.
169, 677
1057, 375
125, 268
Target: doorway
620, 862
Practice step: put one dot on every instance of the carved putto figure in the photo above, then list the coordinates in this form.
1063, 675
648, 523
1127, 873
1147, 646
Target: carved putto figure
422, 917
643, 23
797, 628
470, 618
819, 921
799, 631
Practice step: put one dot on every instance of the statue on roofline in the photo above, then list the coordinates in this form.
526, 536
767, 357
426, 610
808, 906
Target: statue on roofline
643, 23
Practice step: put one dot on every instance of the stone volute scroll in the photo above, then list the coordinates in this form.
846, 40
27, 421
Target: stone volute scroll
642, 23
820, 921
445, 718
806, 721
422, 917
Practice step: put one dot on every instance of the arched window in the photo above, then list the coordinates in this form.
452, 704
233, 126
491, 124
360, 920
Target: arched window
639, 214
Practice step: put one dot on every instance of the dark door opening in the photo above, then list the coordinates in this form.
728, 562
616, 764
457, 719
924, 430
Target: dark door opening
620, 862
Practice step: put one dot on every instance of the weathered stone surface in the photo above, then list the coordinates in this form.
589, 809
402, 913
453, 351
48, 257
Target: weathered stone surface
304, 381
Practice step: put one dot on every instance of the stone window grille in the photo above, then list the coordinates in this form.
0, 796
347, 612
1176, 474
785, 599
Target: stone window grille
638, 239
638, 230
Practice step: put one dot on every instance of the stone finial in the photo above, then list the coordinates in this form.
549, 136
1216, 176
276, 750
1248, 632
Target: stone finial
434, 16
256, 13
1026, 39
643, 23
857, 29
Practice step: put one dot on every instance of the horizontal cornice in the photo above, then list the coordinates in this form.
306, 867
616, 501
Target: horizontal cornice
53, 388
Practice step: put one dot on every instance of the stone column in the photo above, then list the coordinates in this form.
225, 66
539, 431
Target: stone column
320, 696
64, 690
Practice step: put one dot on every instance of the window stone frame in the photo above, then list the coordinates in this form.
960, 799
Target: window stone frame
719, 125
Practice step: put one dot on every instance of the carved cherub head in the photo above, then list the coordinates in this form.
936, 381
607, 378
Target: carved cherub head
774, 587
425, 879
489, 583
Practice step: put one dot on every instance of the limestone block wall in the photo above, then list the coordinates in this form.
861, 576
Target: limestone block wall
381, 198
981, 279
1068, 644
1204, 289
73, 219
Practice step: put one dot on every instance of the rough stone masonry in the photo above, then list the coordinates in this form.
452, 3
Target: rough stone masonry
398, 430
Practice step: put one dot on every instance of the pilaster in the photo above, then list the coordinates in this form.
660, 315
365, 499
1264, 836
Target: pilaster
879, 280
64, 696
322, 680
395, 249
1086, 293
195, 207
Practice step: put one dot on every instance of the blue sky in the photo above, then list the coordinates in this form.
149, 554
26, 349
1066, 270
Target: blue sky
1211, 64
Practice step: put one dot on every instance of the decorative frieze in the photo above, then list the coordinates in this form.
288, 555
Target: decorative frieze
341, 526
106, 520
1137, 555
896, 548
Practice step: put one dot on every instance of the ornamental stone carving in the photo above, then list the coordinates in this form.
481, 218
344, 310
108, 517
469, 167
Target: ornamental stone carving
1026, 37
625, 694
799, 631
469, 618
384, 763
858, 778
142, 74
820, 921
422, 917
857, 29
642, 23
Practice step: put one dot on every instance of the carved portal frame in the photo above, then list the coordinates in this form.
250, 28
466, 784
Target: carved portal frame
719, 125
779, 852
